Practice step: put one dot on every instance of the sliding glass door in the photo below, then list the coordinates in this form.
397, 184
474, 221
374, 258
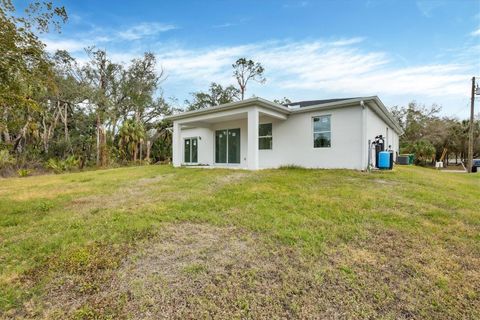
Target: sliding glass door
190, 149
227, 146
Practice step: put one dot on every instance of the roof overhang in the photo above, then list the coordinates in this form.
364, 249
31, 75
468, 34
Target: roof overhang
233, 105
378, 107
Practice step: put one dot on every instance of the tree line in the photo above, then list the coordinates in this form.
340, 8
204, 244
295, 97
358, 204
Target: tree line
58, 114
428, 134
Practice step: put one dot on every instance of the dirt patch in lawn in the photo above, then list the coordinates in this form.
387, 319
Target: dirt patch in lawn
406, 276
200, 271
131, 195
147, 191
191, 271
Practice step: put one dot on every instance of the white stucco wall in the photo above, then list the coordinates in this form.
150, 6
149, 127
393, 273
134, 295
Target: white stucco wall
205, 144
293, 139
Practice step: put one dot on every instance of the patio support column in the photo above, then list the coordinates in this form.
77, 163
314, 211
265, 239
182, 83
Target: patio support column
176, 146
252, 149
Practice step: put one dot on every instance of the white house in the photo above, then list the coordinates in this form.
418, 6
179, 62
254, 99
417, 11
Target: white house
257, 133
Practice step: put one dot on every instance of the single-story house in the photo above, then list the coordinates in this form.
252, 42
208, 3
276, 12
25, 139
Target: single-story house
256, 133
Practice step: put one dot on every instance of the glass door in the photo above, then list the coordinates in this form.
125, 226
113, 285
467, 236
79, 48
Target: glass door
227, 146
221, 146
190, 149
234, 146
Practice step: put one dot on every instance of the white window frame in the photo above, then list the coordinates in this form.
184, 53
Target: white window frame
314, 132
270, 136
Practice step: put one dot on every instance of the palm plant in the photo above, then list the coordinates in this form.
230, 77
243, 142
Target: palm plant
131, 134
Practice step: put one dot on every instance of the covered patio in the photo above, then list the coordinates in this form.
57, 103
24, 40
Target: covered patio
224, 138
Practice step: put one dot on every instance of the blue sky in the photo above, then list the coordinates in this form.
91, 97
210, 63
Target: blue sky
399, 50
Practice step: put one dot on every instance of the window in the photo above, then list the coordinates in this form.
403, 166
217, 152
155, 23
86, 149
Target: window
322, 132
265, 136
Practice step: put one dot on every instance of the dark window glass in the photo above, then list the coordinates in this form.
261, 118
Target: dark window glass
265, 129
322, 132
265, 143
194, 150
187, 151
322, 140
221, 146
227, 146
265, 136
234, 146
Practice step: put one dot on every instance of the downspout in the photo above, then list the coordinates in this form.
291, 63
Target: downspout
364, 145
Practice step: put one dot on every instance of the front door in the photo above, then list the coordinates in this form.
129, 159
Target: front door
190, 148
227, 146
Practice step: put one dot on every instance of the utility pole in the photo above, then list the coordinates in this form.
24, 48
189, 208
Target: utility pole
470, 131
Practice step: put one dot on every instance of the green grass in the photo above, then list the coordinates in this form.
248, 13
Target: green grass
413, 223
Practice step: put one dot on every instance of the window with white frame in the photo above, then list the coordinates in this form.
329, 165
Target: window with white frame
265, 136
322, 135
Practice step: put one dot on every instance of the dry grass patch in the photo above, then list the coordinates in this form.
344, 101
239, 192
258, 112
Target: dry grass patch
408, 276
192, 271
188, 271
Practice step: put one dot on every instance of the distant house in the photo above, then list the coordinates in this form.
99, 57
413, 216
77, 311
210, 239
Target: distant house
257, 133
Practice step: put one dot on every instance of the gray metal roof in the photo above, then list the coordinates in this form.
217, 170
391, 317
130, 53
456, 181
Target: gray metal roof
309, 103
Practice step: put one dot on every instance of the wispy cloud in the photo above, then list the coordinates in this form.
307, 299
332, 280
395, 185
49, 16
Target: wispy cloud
296, 4
76, 44
68, 45
318, 66
314, 68
145, 29
100, 36
427, 7
475, 33
223, 25
347, 42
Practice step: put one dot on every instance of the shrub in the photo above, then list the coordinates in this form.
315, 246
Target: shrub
23, 172
6, 159
59, 166
291, 167
423, 150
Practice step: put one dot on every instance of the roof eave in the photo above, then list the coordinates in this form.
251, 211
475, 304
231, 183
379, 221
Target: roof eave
388, 114
331, 105
232, 105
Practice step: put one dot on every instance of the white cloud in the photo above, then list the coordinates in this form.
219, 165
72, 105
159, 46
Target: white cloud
475, 33
75, 45
223, 25
145, 29
68, 45
317, 66
302, 69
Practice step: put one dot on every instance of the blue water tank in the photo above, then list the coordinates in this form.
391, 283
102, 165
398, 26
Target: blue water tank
384, 160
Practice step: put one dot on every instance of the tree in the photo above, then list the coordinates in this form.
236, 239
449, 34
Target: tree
105, 78
50, 108
131, 134
26, 73
215, 96
425, 129
282, 101
245, 70
423, 150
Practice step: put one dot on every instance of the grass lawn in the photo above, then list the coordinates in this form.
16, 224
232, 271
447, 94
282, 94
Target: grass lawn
157, 242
